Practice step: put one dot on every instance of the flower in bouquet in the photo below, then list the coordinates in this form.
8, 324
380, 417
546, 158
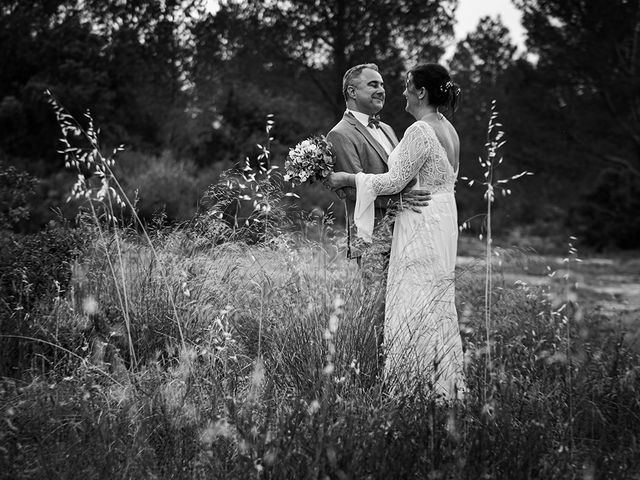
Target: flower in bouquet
309, 160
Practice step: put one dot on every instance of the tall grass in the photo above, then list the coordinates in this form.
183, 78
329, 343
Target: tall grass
271, 372
491, 184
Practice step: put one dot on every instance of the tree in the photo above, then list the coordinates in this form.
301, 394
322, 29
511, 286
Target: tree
479, 66
484, 54
124, 60
237, 80
592, 50
323, 39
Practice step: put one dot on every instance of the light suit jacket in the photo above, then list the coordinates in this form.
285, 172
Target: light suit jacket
355, 151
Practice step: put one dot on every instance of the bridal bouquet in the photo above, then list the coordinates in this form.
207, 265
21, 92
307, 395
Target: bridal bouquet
309, 160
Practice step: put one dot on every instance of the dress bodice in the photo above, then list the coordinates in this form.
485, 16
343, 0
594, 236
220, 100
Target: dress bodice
418, 155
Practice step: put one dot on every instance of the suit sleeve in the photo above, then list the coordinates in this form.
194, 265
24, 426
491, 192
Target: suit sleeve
347, 158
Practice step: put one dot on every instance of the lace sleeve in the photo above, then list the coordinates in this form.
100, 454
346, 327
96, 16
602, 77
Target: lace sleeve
415, 148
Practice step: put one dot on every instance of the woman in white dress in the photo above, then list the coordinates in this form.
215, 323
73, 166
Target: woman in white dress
422, 338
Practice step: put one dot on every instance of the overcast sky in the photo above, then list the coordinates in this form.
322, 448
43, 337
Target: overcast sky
470, 11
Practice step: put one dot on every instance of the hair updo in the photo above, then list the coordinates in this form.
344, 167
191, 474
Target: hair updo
436, 80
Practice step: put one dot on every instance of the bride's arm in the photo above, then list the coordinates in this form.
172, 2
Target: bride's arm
414, 149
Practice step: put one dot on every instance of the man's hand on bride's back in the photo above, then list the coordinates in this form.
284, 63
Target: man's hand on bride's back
414, 200
411, 199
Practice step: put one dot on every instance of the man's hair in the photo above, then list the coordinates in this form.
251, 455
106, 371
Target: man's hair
353, 73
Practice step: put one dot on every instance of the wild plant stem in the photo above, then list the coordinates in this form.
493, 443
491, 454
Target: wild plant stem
155, 254
107, 169
73, 354
260, 321
487, 290
487, 280
571, 446
127, 316
568, 315
121, 301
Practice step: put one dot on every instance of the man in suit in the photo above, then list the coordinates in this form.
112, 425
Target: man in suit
362, 143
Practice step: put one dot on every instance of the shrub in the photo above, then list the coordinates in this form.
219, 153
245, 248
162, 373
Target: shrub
16, 188
608, 216
35, 270
163, 184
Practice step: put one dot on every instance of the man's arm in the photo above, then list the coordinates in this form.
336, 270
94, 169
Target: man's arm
348, 160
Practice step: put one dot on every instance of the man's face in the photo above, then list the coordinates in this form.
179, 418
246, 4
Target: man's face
369, 92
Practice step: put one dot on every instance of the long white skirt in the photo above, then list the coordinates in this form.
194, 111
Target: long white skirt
422, 337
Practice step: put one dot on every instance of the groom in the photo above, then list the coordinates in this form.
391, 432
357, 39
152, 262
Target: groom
362, 143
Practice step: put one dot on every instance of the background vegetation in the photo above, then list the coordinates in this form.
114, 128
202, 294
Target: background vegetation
197, 352
187, 92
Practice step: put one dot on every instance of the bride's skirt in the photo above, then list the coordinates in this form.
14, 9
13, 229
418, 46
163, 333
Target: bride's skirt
421, 334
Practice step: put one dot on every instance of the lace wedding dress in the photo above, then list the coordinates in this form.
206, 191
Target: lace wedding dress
421, 334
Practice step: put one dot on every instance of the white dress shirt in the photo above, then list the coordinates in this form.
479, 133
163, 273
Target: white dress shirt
376, 133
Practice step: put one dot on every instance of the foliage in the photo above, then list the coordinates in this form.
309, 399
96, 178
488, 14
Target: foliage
164, 185
250, 202
481, 58
305, 47
15, 189
485, 66
35, 272
184, 353
558, 134
592, 51
589, 53
192, 89
607, 218
124, 59
237, 82
251, 395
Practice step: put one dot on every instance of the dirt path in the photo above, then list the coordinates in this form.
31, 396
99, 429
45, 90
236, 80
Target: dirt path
609, 286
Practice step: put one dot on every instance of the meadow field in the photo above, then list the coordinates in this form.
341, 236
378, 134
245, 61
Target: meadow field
241, 345
204, 355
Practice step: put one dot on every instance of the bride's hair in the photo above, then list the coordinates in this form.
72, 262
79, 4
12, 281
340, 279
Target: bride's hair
437, 81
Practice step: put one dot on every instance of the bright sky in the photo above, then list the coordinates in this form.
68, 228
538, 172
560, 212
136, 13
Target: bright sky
470, 11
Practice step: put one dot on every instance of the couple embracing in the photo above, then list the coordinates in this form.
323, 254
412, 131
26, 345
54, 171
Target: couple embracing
415, 177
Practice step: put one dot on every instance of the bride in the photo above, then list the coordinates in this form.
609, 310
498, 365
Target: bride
422, 339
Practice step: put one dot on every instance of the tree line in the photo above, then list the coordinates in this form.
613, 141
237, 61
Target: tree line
187, 91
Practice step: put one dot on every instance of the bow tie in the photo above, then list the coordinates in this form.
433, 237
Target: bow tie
374, 121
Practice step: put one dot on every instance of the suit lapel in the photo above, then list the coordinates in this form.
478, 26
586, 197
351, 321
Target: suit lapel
386, 129
365, 133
